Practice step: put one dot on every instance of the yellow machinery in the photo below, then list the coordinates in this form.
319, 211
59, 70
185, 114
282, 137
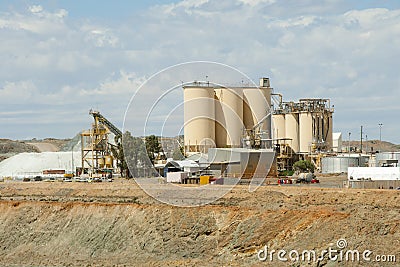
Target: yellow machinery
69, 175
205, 179
96, 150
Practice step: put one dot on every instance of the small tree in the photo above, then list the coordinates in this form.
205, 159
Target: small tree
152, 146
135, 154
118, 153
304, 166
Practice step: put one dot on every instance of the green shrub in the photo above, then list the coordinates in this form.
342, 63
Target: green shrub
286, 173
304, 166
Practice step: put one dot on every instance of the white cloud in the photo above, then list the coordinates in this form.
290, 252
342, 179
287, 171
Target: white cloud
186, 5
35, 9
41, 13
17, 92
302, 21
38, 21
122, 84
257, 2
370, 17
102, 38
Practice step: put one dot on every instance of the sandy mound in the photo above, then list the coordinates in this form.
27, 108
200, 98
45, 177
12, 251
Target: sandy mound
28, 164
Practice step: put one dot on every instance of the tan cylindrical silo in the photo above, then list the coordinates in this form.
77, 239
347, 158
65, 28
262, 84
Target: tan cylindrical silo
199, 117
256, 106
306, 131
292, 130
279, 126
229, 117
220, 129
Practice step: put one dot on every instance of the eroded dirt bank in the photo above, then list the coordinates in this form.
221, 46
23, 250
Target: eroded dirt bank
58, 224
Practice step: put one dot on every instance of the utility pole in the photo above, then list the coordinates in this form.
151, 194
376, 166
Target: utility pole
72, 161
361, 139
348, 158
349, 144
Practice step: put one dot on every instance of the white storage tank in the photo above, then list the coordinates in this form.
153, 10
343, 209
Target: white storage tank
199, 118
387, 155
338, 164
292, 130
229, 117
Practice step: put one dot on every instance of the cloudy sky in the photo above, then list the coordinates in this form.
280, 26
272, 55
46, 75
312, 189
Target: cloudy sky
60, 58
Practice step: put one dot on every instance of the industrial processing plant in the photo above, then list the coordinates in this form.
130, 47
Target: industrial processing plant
223, 121
230, 134
238, 132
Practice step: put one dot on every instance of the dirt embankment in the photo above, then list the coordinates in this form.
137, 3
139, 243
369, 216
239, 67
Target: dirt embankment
9, 148
45, 147
48, 144
58, 224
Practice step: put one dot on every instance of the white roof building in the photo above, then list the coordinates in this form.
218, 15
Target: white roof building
184, 165
337, 142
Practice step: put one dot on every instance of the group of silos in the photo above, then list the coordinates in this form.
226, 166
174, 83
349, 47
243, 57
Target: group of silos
305, 126
218, 116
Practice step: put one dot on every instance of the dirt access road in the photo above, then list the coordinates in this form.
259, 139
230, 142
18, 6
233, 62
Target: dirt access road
117, 224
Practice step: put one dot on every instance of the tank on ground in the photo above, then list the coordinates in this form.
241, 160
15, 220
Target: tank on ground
338, 164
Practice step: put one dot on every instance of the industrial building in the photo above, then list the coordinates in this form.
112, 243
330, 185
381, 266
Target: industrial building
255, 120
232, 125
374, 177
387, 159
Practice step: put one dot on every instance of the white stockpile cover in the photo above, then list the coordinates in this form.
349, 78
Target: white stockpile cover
31, 163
